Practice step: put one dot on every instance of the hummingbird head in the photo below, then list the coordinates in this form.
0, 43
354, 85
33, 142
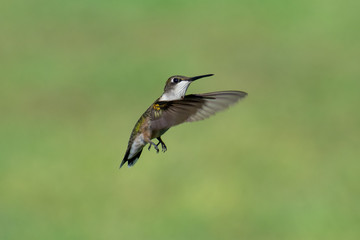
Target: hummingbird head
176, 86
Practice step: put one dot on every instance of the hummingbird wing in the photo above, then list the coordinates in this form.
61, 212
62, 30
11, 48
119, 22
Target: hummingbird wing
193, 107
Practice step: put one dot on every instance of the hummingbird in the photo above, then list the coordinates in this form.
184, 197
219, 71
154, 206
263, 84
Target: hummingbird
173, 107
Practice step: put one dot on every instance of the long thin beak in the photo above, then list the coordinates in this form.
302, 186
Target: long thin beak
198, 77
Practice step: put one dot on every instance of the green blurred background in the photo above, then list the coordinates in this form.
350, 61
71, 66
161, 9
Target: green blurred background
282, 164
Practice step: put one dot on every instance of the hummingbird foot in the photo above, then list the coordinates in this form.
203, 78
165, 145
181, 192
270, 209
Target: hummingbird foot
163, 146
155, 146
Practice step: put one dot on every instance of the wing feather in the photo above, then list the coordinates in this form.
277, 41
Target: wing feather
193, 107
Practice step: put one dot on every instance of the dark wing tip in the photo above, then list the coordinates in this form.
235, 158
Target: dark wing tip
241, 94
238, 94
212, 95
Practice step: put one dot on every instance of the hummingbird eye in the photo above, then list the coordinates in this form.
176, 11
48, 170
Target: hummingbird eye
176, 80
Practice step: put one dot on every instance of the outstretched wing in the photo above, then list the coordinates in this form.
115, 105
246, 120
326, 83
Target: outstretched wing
192, 108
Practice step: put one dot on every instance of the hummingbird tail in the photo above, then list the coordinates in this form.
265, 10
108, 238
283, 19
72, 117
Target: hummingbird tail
132, 160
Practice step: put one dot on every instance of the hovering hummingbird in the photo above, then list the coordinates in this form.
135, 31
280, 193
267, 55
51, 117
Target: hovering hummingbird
173, 107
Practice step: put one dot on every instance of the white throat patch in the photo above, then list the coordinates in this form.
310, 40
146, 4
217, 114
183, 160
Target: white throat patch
176, 93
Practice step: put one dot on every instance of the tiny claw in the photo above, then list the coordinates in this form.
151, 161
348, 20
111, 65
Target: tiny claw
163, 146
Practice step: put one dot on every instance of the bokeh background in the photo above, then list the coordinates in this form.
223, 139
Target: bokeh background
282, 164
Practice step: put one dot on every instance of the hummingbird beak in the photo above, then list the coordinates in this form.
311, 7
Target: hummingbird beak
198, 77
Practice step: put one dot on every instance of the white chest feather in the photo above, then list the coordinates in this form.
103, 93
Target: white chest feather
176, 93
